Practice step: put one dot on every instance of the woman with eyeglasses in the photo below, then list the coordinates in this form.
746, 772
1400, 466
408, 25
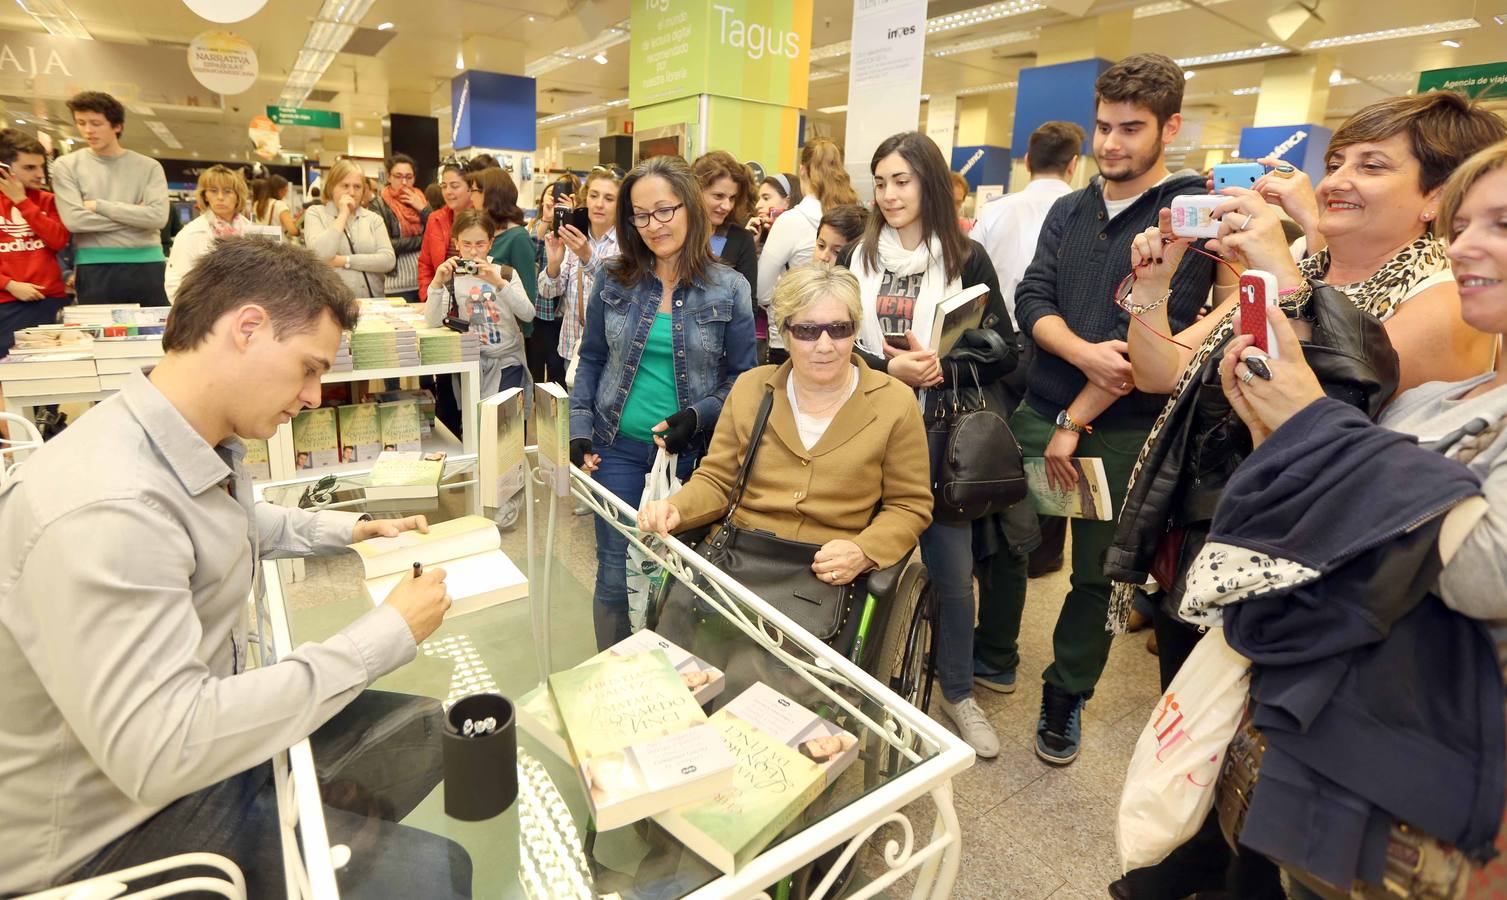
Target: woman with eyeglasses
668, 330
912, 257
405, 212
842, 438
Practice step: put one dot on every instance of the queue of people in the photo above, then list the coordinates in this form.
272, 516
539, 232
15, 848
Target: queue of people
1104, 334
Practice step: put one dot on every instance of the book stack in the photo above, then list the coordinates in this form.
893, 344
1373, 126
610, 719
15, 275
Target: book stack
118, 358
94, 313
405, 475
343, 361
442, 345
399, 425
360, 432
42, 373
641, 742
377, 344
316, 440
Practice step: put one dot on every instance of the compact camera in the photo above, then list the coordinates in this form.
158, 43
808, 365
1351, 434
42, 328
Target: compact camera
465, 267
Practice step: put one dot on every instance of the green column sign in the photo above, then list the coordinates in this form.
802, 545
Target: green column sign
1487, 81
297, 115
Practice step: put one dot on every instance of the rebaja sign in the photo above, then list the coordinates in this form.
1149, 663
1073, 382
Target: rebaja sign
49, 67
756, 50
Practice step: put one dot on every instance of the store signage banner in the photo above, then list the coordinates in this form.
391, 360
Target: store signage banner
225, 11
489, 109
310, 118
756, 50
884, 78
1487, 81
41, 65
223, 62
1305, 146
942, 121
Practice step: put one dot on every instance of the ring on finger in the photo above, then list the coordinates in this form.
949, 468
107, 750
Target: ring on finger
1256, 365
1246, 376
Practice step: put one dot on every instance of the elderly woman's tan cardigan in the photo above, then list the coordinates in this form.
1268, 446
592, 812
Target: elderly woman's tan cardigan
872, 456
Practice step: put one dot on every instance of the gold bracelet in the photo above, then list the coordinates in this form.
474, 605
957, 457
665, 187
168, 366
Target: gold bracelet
1137, 309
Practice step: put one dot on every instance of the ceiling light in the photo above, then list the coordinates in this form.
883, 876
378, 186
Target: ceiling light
1500, 18
1451, 43
1246, 91
1335, 76
460, 59
56, 17
1389, 34
531, 18
332, 27
1233, 55
608, 39
981, 14
164, 135
987, 88
829, 110
824, 74
983, 43
1189, 73
20, 121
600, 58
385, 26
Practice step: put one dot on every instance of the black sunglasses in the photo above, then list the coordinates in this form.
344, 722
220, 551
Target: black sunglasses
813, 331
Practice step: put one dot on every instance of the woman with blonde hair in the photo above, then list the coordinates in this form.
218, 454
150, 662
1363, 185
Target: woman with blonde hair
792, 238
222, 194
349, 237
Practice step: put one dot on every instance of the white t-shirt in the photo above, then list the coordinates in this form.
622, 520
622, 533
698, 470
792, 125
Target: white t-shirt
275, 212
811, 429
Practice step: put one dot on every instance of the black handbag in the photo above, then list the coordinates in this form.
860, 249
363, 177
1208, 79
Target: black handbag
981, 472
777, 570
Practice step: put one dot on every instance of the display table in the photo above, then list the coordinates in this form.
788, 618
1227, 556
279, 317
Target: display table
546, 846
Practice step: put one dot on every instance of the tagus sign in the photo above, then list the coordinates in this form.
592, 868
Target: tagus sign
222, 62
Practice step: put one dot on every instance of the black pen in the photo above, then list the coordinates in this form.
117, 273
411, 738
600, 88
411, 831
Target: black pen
418, 569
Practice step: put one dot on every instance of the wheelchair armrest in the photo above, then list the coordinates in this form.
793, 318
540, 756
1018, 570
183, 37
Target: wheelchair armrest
882, 582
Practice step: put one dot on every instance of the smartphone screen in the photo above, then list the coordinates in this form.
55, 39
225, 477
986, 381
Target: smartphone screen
897, 339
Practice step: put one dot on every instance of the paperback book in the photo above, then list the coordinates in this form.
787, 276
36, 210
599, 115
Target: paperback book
360, 432
257, 463
406, 475
316, 439
503, 467
642, 743
477, 573
552, 430
1089, 499
955, 315
398, 423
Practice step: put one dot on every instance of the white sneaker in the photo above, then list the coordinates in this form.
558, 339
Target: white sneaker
973, 726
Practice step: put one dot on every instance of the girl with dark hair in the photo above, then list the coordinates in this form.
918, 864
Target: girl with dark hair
269, 204
545, 363
493, 191
911, 258
492, 301
728, 188
568, 276
839, 227
668, 331
823, 183
777, 193
437, 246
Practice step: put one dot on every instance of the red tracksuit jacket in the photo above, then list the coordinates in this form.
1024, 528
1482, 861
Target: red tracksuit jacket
31, 236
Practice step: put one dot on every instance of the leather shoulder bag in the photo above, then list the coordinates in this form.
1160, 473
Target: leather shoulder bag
777, 570
981, 472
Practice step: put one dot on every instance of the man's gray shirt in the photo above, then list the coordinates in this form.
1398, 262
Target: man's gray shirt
128, 552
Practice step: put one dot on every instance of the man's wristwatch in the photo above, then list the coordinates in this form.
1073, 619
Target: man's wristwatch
1065, 422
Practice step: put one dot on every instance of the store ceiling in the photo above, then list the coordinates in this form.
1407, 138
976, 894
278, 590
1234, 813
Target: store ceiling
413, 68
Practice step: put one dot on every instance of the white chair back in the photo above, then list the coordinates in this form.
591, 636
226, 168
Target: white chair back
24, 438
226, 881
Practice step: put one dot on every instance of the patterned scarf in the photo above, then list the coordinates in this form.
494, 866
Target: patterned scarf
409, 223
1378, 295
221, 228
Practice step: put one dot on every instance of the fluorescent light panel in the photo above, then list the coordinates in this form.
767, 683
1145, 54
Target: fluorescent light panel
1390, 34
608, 39
164, 134
56, 17
1233, 55
939, 24
984, 43
1147, 10
328, 33
987, 88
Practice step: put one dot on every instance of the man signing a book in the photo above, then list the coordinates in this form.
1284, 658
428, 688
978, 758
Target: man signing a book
130, 727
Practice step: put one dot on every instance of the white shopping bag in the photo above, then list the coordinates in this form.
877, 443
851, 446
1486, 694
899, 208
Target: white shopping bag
643, 572
1169, 788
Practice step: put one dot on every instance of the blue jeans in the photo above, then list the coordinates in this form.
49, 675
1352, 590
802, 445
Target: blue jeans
374, 787
947, 551
624, 464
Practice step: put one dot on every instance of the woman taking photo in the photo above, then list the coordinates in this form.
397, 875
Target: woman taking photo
668, 330
792, 237
269, 204
437, 246
404, 212
728, 188
544, 359
347, 237
493, 192
911, 258
574, 258
222, 195
494, 303
1380, 194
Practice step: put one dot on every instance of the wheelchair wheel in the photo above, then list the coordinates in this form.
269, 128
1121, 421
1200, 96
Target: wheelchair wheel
903, 661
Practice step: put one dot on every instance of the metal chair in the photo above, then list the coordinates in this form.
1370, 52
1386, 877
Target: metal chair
226, 882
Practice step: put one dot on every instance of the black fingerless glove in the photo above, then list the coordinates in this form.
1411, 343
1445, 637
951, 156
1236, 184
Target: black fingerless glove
579, 447
682, 429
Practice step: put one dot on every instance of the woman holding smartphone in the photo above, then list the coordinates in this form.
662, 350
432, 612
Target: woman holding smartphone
573, 257
668, 329
911, 258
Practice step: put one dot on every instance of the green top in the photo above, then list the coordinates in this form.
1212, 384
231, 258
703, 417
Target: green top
652, 397
515, 248
88, 256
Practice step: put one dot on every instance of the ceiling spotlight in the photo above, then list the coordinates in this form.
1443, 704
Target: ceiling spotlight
601, 58
460, 59
1500, 18
385, 26
1188, 75
531, 18
1451, 43
20, 121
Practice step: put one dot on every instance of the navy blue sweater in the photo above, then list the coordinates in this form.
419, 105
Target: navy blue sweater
1080, 258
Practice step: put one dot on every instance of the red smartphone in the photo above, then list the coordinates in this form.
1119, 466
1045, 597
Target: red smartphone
1258, 290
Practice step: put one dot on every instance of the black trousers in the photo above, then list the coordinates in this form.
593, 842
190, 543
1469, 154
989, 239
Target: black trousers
543, 351
122, 283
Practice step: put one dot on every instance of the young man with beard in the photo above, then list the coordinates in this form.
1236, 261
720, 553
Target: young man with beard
1080, 398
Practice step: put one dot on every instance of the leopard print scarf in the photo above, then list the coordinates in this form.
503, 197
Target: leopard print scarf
1379, 295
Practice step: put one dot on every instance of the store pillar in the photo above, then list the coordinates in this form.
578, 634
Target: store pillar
1294, 90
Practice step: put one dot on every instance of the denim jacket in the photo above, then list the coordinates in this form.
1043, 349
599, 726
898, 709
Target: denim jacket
712, 334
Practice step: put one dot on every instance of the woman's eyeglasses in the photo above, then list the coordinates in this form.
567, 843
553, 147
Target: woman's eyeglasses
813, 331
663, 214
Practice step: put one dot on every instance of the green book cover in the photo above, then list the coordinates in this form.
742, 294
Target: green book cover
315, 438
772, 784
360, 433
641, 741
1088, 499
399, 425
397, 468
257, 463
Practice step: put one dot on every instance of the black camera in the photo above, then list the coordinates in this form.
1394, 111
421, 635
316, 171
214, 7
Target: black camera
465, 267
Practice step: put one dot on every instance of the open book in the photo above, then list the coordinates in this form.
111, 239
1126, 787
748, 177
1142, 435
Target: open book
955, 315
1089, 500
477, 573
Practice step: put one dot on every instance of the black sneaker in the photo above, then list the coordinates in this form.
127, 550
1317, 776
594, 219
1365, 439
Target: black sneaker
1058, 733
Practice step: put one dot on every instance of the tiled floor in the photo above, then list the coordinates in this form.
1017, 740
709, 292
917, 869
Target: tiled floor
1030, 831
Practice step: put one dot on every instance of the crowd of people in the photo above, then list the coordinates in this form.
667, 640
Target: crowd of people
686, 305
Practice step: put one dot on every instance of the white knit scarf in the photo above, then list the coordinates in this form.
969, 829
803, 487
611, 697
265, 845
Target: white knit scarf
894, 258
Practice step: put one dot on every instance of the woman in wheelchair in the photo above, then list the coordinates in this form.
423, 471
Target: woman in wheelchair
842, 463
